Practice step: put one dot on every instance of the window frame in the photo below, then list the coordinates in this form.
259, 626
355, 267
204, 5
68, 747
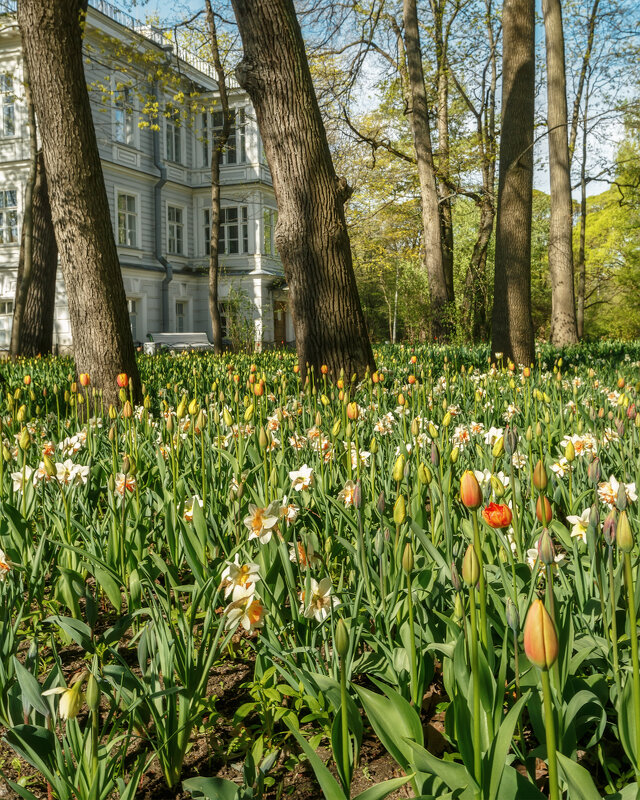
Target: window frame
242, 224
9, 212
179, 226
173, 134
7, 101
185, 316
269, 222
122, 192
124, 107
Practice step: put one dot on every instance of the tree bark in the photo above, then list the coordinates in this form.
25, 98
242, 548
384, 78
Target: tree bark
563, 312
25, 264
36, 330
218, 144
311, 233
103, 346
512, 332
420, 127
582, 266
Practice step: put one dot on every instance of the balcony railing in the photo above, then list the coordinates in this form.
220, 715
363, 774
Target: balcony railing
149, 32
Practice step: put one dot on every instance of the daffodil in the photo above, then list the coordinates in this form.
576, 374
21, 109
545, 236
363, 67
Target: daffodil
261, 521
320, 600
237, 577
580, 525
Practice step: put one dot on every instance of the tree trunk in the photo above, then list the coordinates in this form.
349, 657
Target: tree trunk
563, 312
36, 329
582, 266
419, 113
103, 346
25, 264
311, 233
512, 332
217, 148
474, 308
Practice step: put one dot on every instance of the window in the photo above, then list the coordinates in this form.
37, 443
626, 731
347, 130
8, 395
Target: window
205, 138
269, 219
123, 117
233, 237
224, 319
8, 216
134, 308
8, 121
181, 315
173, 133
175, 231
235, 150
207, 231
6, 308
127, 220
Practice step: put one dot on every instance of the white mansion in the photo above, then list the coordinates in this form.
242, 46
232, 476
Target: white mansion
157, 175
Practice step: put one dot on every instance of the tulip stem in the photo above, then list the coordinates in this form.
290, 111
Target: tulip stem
633, 637
412, 637
614, 623
344, 719
483, 594
477, 754
551, 736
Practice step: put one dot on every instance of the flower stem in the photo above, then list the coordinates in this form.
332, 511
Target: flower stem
414, 668
633, 636
477, 754
344, 719
551, 736
483, 592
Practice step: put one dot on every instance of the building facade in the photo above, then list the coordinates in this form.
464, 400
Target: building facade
154, 110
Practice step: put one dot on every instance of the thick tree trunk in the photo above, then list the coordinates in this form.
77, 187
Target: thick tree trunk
25, 264
217, 148
36, 330
512, 332
311, 233
419, 113
582, 266
563, 312
103, 346
474, 307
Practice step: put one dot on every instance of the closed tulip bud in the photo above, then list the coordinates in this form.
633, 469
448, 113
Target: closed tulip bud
458, 609
182, 408
93, 693
352, 411
348, 430
543, 510
433, 433
248, 414
446, 420
373, 446
570, 452
407, 558
6, 453
127, 411
538, 430
193, 407
324, 400
357, 495
455, 578
415, 428
470, 567
380, 503
169, 423
398, 469
262, 439
201, 420
318, 420
126, 464
424, 474
112, 412
49, 466
378, 543
455, 452
546, 550
624, 535
609, 527
273, 478
25, 440
540, 637
146, 402
112, 433
631, 411
342, 639
498, 447
540, 476
497, 487
470, 491
435, 455
32, 395
401, 400
122, 395
21, 416
594, 472
513, 617
399, 510
226, 416
511, 440
621, 499
122, 380
84, 379
335, 430
529, 434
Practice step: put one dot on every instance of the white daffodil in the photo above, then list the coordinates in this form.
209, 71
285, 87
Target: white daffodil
320, 600
580, 525
261, 521
188, 506
302, 478
237, 578
608, 491
5, 565
245, 610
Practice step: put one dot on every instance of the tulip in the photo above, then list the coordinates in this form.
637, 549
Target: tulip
398, 469
122, 380
470, 567
543, 507
540, 476
84, 379
540, 637
497, 515
470, 491
624, 534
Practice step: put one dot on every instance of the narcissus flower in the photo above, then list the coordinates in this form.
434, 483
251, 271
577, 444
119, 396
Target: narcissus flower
302, 478
261, 521
470, 491
246, 610
540, 637
5, 565
72, 698
320, 601
237, 578
580, 525
497, 515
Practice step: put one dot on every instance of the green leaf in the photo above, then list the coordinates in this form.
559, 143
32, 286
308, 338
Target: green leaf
78, 630
579, 781
30, 688
330, 787
626, 722
382, 789
501, 746
211, 788
456, 776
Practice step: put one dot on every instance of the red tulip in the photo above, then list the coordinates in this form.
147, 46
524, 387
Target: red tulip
497, 515
122, 380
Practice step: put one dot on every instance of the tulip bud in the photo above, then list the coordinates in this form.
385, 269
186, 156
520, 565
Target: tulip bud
84, 379
609, 527
193, 407
543, 510
424, 474
511, 440
594, 472
49, 466
435, 455
248, 414
341, 639
262, 439
433, 433
513, 617
470, 491
497, 487
540, 637
453, 455
21, 416
25, 440
455, 578
470, 567
407, 558
540, 476
546, 550
6, 453
529, 434
335, 430
380, 503
357, 495
348, 430
415, 428
398, 469
458, 609
399, 510
352, 411
201, 421
318, 420
570, 452
624, 534
621, 498
446, 420
498, 447
373, 446
122, 380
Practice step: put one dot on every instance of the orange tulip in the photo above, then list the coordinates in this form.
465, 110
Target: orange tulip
540, 637
548, 513
324, 369
470, 491
84, 379
497, 515
122, 380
